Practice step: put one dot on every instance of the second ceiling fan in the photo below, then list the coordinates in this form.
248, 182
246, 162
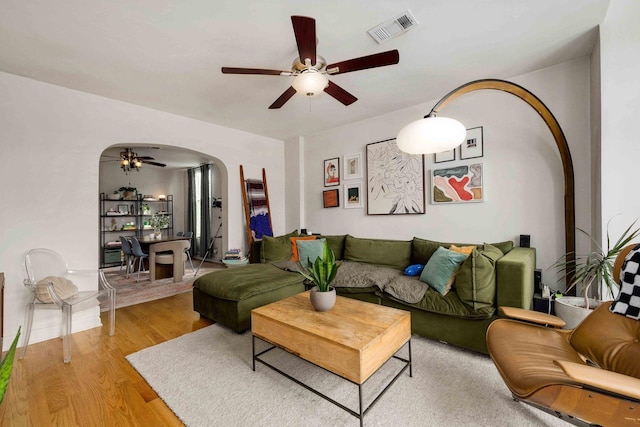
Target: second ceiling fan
310, 69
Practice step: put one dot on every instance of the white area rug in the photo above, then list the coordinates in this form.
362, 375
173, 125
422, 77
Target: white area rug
205, 377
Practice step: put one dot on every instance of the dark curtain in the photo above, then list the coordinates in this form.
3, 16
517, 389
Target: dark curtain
205, 213
191, 205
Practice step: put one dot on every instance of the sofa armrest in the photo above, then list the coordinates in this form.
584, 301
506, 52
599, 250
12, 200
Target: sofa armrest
514, 278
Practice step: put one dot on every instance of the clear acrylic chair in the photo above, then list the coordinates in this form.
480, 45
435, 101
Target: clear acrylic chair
128, 255
46, 274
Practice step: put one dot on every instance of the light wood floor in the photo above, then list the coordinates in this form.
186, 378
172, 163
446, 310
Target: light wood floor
98, 387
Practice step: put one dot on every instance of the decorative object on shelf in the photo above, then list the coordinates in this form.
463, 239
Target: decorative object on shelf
432, 135
395, 180
459, 184
146, 210
162, 197
321, 273
353, 195
445, 156
586, 270
331, 198
472, 146
352, 166
129, 193
332, 172
123, 209
114, 196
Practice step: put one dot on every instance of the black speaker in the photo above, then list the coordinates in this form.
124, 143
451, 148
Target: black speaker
525, 240
537, 278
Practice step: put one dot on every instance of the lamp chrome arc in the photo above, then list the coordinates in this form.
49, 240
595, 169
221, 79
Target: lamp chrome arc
310, 69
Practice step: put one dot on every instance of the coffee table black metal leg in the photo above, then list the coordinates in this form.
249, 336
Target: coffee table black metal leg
361, 412
253, 351
410, 363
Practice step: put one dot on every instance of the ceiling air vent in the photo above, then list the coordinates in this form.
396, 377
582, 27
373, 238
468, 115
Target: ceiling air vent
393, 27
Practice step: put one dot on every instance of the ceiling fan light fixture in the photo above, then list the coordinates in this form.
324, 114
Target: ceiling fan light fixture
310, 82
431, 135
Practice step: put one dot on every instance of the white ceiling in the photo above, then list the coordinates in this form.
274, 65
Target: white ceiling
167, 54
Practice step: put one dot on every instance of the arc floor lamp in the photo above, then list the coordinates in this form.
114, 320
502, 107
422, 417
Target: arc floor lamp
434, 134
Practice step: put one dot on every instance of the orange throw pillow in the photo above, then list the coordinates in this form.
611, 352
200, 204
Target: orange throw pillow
462, 249
294, 246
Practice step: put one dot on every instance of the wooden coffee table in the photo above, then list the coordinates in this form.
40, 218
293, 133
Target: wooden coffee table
352, 340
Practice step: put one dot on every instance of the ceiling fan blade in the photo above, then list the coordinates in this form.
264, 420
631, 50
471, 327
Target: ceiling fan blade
283, 98
304, 29
340, 94
145, 158
146, 162
262, 71
370, 61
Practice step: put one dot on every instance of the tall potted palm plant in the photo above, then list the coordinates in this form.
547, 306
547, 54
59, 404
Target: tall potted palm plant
594, 268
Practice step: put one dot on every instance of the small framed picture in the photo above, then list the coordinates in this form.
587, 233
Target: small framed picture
124, 209
445, 156
331, 198
352, 166
472, 145
332, 172
353, 195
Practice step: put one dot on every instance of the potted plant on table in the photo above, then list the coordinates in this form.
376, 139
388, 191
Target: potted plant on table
321, 273
158, 222
593, 268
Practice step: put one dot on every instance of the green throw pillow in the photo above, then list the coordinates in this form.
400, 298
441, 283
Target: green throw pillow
476, 278
309, 250
276, 248
441, 267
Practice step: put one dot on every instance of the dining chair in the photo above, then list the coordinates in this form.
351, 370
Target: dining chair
128, 255
189, 235
180, 233
54, 286
138, 253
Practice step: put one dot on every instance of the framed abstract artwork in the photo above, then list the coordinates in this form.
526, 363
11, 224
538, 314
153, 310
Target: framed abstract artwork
332, 172
445, 156
331, 198
458, 184
352, 166
395, 180
472, 146
353, 195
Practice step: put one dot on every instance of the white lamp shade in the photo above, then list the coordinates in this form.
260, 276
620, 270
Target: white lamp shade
431, 135
310, 83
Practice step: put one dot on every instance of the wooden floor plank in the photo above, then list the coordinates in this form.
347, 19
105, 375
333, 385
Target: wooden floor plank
99, 386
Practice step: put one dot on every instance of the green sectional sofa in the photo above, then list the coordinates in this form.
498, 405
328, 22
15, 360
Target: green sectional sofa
372, 270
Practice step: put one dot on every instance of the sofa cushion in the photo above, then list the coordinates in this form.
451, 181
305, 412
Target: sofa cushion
450, 305
388, 253
237, 284
422, 249
294, 245
476, 277
276, 248
441, 268
310, 250
336, 244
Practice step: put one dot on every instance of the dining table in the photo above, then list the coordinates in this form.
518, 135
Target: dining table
165, 245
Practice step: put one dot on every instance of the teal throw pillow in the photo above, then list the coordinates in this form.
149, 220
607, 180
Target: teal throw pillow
442, 266
309, 250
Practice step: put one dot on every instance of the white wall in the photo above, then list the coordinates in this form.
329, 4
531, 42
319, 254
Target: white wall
523, 172
51, 142
620, 88
294, 183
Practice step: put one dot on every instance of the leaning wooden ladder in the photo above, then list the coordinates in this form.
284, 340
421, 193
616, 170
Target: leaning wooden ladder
257, 211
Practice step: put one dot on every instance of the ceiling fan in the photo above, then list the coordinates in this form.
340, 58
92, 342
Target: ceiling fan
130, 160
310, 69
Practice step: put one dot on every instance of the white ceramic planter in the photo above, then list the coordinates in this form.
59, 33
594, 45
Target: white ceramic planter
322, 301
572, 310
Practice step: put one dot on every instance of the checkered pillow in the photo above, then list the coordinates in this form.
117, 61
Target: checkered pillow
628, 301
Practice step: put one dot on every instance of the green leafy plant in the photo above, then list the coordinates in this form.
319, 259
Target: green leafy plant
597, 266
322, 271
159, 221
6, 365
